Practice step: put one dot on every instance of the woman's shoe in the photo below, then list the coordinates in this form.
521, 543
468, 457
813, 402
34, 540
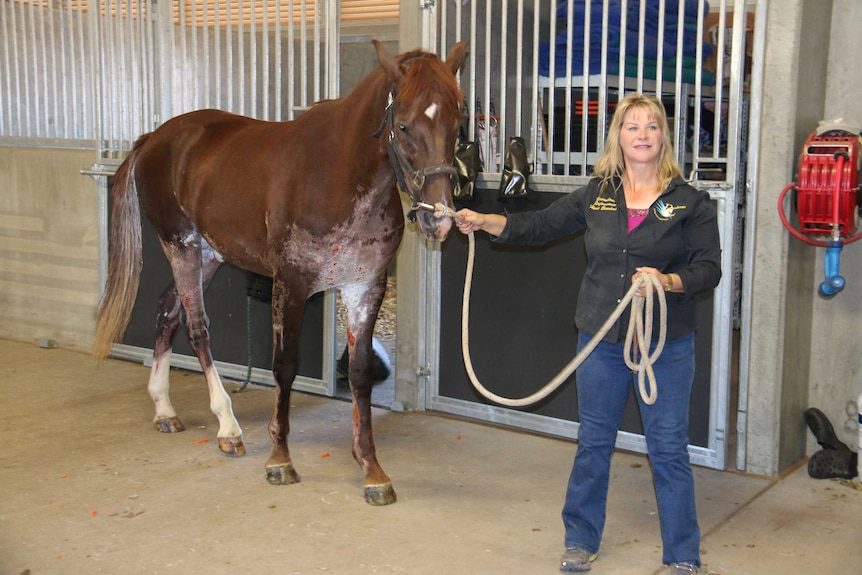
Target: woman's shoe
683, 568
576, 560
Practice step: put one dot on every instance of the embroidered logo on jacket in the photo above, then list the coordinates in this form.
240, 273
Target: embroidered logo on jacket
664, 211
604, 205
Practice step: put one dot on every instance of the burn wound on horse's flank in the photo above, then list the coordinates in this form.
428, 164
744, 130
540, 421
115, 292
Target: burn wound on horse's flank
431, 111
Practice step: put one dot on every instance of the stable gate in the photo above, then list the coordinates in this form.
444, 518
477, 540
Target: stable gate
551, 73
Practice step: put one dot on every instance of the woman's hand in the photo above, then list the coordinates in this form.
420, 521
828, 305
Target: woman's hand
471, 221
664, 279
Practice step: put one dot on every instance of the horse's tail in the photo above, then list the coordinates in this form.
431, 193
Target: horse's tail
124, 258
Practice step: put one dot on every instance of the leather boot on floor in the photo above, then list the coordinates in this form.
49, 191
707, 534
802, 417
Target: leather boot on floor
822, 430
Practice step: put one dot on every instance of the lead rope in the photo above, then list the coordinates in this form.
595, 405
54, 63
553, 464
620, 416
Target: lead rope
640, 306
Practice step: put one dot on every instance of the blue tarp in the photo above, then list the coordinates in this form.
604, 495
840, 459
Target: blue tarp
615, 31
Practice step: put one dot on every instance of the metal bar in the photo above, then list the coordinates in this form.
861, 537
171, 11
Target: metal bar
303, 55
265, 67
230, 65
20, 84
486, 93
252, 64
519, 71
5, 79
56, 123
279, 116
535, 112
291, 60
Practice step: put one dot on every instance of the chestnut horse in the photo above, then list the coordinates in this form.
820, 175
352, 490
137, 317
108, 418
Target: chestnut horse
313, 203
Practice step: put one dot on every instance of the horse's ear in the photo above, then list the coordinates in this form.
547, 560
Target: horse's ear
388, 61
456, 56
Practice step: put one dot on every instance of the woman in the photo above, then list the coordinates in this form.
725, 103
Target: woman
641, 217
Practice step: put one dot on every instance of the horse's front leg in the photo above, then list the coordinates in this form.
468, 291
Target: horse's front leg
287, 312
363, 304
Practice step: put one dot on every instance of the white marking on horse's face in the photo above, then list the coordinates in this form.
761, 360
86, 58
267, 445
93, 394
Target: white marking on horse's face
431, 111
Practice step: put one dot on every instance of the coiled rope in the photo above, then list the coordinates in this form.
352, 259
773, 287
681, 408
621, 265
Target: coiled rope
639, 331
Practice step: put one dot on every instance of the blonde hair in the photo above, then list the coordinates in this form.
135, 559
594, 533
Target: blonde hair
611, 163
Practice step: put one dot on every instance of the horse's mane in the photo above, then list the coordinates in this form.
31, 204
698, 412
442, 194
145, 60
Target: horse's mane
424, 73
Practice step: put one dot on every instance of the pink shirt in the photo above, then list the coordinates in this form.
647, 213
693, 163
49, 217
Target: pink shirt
636, 216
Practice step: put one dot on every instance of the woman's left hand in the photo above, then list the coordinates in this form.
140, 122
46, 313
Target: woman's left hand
641, 292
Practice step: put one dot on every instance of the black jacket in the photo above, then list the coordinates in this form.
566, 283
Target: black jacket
679, 235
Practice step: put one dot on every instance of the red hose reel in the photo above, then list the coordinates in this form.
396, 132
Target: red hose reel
827, 189
827, 196
822, 177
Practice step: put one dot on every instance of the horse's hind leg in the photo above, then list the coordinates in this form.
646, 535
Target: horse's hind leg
363, 304
188, 263
168, 321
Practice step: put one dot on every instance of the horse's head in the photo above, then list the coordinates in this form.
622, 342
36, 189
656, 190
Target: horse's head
423, 120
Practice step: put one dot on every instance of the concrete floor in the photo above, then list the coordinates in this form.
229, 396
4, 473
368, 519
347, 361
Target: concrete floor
88, 486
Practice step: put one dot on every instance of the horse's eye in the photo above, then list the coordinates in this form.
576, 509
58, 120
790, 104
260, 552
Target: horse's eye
403, 128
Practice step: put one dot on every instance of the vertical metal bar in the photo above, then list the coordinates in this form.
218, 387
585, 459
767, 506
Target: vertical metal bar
659, 60
641, 38
132, 83
501, 103
698, 96
83, 123
519, 70
5, 79
567, 80
486, 92
191, 63
585, 90
148, 65
28, 58
229, 39
108, 54
303, 52
621, 70
291, 61
241, 79
56, 121
472, 77
316, 51
252, 59
602, 115
681, 99
206, 36
536, 112
217, 60
333, 41
552, 84
97, 89
40, 96
265, 65
720, 72
181, 61
279, 116
444, 29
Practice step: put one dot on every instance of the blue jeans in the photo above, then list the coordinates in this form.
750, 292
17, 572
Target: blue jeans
604, 382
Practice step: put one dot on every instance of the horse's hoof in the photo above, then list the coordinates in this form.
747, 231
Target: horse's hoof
170, 425
282, 474
231, 445
380, 494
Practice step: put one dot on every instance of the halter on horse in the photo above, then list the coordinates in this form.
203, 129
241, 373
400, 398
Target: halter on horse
312, 203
